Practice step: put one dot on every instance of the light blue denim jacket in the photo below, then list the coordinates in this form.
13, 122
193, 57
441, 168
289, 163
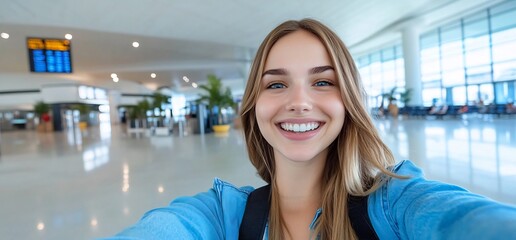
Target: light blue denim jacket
413, 208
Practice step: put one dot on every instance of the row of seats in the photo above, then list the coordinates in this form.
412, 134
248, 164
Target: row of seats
452, 111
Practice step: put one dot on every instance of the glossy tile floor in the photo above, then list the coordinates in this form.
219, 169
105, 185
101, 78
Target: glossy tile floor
83, 185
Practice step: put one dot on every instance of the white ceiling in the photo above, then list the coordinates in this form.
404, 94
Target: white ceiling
194, 38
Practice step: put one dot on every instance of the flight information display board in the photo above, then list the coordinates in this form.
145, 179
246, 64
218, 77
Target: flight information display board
49, 55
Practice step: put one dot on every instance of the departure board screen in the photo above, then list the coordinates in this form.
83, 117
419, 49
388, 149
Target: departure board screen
49, 55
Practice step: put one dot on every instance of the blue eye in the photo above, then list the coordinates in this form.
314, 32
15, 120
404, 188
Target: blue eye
323, 83
276, 86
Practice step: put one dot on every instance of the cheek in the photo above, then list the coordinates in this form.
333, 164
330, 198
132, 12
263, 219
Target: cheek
336, 111
263, 110
335, 107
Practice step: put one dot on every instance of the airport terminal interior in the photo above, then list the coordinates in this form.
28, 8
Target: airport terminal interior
104, 112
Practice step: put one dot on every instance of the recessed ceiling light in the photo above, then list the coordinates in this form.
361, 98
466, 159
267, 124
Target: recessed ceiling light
4, 35
113, 75
68, 36
186, 79
40, 226
94, 222
194, 85
153, 75
115, 79
136, 44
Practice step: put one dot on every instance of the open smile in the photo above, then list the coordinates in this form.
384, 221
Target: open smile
300, 127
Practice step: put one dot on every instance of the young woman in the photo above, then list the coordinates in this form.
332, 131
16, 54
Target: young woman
309, 135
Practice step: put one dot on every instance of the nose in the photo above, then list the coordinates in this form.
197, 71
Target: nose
298, 100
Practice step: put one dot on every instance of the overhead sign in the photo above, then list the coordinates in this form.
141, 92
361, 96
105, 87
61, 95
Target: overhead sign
49, 55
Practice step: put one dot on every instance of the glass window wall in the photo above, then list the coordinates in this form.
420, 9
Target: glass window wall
381, 71
473, 57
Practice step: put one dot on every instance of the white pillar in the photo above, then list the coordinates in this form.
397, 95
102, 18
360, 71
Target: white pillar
410, 37
114, 101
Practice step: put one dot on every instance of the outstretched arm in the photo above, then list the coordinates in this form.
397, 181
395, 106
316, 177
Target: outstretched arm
420, 209
215, 214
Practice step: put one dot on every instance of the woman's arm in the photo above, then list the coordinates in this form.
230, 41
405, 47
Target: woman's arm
422, 209
215, 214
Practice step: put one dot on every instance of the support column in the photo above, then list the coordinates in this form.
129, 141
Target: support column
57, 117
114, 101
410, 37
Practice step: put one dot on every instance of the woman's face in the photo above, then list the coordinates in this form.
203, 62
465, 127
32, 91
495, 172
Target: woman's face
299, 109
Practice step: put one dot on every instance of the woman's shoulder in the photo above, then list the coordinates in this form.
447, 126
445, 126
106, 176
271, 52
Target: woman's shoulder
406, 167
220, 186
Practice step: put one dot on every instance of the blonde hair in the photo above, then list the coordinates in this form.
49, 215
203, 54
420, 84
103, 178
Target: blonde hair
356, 157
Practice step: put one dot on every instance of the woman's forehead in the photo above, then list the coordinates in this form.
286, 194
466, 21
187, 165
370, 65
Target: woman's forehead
299, 49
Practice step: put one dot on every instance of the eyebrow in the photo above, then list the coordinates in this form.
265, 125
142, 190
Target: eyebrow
321, 69
282, 71
278, 71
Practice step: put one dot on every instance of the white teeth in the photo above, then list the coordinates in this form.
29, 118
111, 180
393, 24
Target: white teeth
303, 127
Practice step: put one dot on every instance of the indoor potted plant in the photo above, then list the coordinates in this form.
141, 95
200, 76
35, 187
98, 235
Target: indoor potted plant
405, 97
219, 98
392, 107
84, 111
41, 110
138, 117
158, 100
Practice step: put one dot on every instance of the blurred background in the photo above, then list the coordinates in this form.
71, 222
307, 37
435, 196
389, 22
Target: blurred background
111, 108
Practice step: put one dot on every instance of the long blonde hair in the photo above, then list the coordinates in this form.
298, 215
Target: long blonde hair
356, 157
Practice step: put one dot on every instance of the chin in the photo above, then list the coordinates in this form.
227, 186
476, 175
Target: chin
300, 156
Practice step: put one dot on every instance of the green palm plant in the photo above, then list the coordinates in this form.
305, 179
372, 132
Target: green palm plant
84, 110
142, 107
405, 96
41, 108
158, 100
138, 113
216, 95
391, 95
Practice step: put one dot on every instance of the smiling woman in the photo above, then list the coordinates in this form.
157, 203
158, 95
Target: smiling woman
300, 90
309, 78
329, 175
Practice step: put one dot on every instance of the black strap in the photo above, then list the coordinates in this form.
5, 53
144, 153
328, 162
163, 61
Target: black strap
359, 216
257, 211
256, 214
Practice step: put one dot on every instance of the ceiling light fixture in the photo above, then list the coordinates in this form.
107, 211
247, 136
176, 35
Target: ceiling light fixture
194, 85
4, 35
136, 44
153, 75
40, 226
68, 36
113, 75
186, 79
115, 79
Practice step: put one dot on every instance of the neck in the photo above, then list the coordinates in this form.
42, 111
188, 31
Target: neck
299, 184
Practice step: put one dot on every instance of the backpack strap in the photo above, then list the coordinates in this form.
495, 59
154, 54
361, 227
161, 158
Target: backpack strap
256, 214
359, 217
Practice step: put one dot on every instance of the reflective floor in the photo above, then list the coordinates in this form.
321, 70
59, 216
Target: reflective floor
83, 185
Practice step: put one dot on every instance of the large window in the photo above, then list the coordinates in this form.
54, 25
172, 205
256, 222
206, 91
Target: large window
430, 57
452, 59
473, 58
381, 71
